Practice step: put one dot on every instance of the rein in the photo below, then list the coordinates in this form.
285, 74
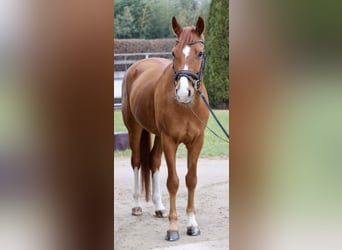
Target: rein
195, 80
212, 112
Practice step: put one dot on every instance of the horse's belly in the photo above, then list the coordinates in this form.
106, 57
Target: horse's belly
142, 80
144, 115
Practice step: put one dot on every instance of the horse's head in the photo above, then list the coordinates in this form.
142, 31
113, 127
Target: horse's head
189, 59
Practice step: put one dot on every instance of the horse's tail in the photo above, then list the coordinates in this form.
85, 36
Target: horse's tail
145, 159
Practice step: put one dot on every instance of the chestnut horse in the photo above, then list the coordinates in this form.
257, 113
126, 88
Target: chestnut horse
160, 97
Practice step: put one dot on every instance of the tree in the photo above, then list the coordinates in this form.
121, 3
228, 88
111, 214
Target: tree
150, 19
124, 24
217, 49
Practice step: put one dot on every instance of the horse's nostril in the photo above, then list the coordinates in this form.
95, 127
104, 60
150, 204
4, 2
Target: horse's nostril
189, 92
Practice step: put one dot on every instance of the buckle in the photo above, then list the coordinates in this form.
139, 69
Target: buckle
197, 84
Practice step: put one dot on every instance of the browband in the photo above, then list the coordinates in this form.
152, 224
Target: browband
193, 42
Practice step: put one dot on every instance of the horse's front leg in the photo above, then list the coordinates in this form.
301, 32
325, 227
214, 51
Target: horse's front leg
169, 148
194, 150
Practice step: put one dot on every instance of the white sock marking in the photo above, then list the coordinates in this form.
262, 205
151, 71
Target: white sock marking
192, 220
136, 202
156, 192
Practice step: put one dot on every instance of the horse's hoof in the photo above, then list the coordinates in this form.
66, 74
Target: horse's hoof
193, 231
137, 211
161, 214
172, 235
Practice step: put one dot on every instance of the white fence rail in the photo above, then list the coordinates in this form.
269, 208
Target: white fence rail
127, 59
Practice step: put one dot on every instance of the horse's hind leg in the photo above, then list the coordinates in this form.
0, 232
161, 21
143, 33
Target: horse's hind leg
134, 141
137, 209
156, 152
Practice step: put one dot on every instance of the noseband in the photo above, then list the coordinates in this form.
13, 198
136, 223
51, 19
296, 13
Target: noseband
194, 78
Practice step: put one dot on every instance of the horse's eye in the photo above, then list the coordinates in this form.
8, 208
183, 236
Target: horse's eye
200, 54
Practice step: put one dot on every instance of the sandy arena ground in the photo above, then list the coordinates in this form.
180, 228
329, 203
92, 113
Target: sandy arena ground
147, 232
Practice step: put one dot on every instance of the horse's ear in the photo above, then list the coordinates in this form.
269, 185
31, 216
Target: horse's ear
177, 29
200, 25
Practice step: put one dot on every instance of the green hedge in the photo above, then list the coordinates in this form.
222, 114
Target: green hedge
217, 49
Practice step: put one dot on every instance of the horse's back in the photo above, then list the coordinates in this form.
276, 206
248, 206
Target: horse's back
150, 68
139, 86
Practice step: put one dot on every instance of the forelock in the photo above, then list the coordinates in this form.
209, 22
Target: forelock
186, 36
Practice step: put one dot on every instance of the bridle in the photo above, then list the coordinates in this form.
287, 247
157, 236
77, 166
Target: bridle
194, 78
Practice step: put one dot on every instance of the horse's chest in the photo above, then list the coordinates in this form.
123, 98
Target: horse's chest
192, 129
182, 128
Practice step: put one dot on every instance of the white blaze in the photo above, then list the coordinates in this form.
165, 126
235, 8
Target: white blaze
183, 90
186, 51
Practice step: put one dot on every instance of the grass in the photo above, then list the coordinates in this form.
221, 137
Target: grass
212, 147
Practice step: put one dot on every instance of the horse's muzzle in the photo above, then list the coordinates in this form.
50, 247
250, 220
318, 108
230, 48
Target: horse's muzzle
184, 99
184, 90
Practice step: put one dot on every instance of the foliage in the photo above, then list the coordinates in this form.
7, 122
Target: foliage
217, 50
150, 19
143, 45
